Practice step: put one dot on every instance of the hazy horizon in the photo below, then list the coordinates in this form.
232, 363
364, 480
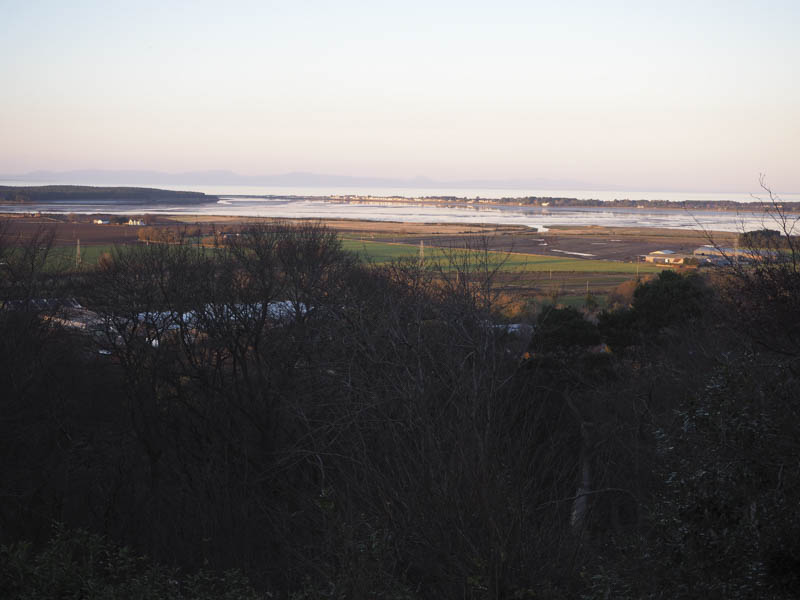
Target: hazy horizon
678, 97
219, 182
222, 177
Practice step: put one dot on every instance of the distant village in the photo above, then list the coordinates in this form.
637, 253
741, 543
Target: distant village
552, 202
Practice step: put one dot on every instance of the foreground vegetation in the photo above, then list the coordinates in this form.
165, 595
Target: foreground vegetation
278, 419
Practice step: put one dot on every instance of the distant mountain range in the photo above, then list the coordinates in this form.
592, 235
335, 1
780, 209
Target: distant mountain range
297, 179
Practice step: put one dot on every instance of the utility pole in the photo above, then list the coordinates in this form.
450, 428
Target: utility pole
78, 253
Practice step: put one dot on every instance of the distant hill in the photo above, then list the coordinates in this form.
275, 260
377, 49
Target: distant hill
54, 193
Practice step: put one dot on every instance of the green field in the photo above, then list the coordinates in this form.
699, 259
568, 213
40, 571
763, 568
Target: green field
89, 254
381, 252
63, 257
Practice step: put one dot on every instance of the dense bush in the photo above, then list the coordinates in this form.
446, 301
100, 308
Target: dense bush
761, 238
563, 328
78, 564
670, 298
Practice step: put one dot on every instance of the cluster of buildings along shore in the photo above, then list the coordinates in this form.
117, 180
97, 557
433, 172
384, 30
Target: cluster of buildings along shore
755, 205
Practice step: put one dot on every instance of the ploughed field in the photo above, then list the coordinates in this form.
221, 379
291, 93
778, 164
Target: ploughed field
67, 233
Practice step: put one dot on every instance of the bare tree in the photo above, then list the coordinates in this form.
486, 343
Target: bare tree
763, 289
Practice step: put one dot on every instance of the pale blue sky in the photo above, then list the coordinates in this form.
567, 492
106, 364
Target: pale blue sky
668, 95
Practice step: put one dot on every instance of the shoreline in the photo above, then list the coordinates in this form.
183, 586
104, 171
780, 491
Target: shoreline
544, 202
537, 213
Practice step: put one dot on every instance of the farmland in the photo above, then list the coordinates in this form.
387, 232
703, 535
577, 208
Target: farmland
529, 264
508, 261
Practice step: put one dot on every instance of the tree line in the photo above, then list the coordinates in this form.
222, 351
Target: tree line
51, 193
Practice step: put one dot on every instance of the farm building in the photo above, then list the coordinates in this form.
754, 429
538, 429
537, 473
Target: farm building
666, 257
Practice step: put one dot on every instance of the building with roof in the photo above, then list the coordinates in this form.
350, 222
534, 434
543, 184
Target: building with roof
666, 257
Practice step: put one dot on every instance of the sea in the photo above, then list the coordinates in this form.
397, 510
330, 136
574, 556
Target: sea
373, 205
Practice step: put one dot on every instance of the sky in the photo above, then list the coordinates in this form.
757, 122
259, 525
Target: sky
697, 96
